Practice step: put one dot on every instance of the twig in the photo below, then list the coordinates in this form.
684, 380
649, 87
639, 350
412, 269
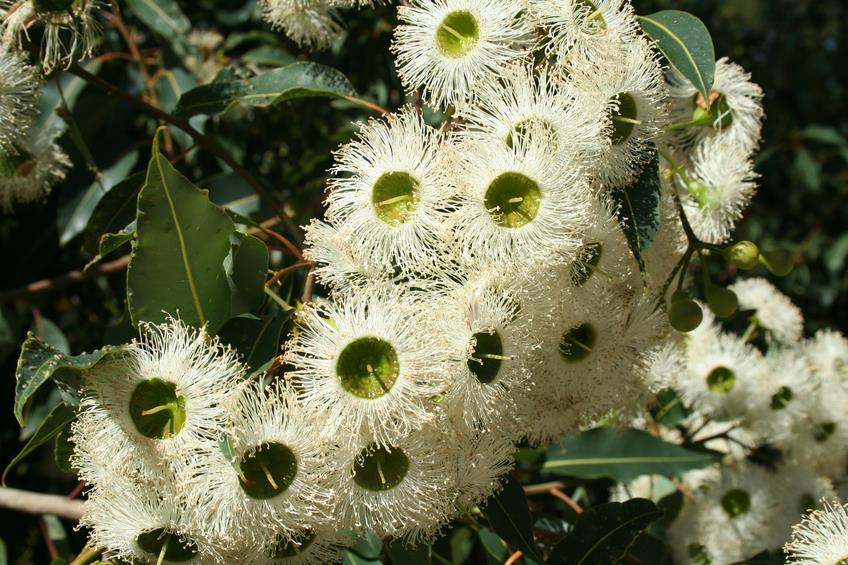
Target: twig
283, 272
207, 143
308, 287
86, 556
64, 280
37, 503
51, 547
567, 499
77, 490
513, 558
542, 488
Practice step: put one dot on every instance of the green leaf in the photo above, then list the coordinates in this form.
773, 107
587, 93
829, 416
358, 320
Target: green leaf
50, 124
622, 455
257, 339
248, 266
58, 418
166, 19
4, 555
669, 409
75, 214
509, 515
461, 544
269, 56
115, 210
39, 362
650, 549
491, 542
401, 554
182, 241
111, 242
50, 333
365, 551
686, 43
298, 80
639, 210
603, 533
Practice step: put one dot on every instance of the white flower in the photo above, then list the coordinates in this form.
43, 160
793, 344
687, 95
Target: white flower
517, 206
160, 400
389, 191
275, 480
801, 489
722, 184
310, 23
312, 546
730, 519
737, 110
580, 27
627, 91
30, 170
145, 523
482, 458
19, 85
403, 489
526, 100
367, 367
670, 243
70, 30
772, 309
489, 339
821, 538
827, 353
450, 48
723, 375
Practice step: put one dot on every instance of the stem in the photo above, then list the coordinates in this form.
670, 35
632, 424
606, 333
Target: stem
164, 550
37, 503
64, 280
87, 555
207, 143
283, 272
567, 499
542, 488
367, 104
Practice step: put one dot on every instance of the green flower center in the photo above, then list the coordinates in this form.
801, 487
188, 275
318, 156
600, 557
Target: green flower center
157, 409
624, 117
822, 431
595, 15
19, 165
721, 380
781, 398
295, 546
368, 367
521, 131
395, 197
166, 545
458, 34
588, 258
52, 6
843, 561
379, 468
485, 362
736, 502
577, 343
513, 200
268, 470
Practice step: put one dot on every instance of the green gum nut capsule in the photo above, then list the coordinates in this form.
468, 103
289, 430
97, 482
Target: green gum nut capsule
685, 314
745, 255
778, 262
722, 301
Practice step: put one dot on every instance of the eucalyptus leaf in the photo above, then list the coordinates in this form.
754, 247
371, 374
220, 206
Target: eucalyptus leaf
298, 80
182, 240
167, 20
58, 418
256, 338
509, 515
114, 211
622, 455
687, 45
246, 271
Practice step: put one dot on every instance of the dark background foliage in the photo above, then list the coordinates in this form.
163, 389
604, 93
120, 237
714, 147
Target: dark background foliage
795, 49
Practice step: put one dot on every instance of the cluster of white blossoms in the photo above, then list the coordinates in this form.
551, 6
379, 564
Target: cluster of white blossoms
31, 163
311, 23
773, 403
480, 291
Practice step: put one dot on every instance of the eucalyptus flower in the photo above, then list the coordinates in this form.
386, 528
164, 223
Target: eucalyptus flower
19, 85
30, 169
821, 537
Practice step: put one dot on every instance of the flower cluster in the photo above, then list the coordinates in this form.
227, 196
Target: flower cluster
773, 403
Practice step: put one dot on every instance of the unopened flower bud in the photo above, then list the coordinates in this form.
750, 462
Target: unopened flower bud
743, 254
722, 301
778, 262
685, 314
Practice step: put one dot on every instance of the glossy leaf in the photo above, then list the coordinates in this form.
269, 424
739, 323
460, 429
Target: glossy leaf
401, 554
246, 271
298, 80
623, 455
50, 123
509, 515
115, 210
111, 242
62, 451
182, 240
58, 418
166, 19
40, 362
256, 338
687, 45
603, 533
639, 207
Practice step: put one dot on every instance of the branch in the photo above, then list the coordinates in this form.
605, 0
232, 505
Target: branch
65, 280
37, 503
207, 143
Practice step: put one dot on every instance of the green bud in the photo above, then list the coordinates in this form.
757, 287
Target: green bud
778, 262
722, 301
743, 254
685, 314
